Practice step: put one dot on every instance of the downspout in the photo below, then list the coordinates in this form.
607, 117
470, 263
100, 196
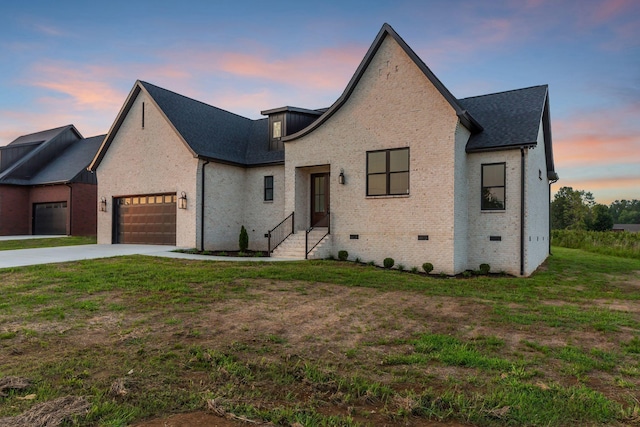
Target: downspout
70, 209
551, 182
522, 198
202, 204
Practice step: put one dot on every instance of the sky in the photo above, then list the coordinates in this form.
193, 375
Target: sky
75, 62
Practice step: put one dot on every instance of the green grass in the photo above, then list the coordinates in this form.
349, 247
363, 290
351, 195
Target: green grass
560, 348
10, 245
622, 244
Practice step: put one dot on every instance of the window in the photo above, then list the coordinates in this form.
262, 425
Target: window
277, 130
388, 172
268, 188
493, 184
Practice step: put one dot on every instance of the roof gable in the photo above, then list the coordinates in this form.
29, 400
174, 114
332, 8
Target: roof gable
36, 151
511, 119
386, 31
208, 132
71, 163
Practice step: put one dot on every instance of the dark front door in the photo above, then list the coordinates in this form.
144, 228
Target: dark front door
319, 199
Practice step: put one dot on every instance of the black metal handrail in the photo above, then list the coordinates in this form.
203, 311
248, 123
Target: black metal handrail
308, 250
280, 232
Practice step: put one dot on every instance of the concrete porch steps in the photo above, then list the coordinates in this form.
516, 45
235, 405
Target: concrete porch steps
294, 245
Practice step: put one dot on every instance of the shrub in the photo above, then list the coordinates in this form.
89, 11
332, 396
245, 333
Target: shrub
427, 267
358, 260
484, 268
401, 267
371, 263
388, 262
414, 269
243, 240
343, 255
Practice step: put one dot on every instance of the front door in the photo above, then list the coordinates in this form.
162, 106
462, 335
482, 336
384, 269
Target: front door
319, 199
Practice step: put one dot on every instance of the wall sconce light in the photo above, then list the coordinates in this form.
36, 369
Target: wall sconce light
103, 204
182, 201
341, 177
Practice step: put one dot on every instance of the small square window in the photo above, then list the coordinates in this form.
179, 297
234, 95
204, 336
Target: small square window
268, 188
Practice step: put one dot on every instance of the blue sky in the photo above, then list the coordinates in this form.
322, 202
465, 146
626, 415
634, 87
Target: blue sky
75, 62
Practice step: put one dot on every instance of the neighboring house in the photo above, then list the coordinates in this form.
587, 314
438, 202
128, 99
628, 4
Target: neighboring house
632, 228
45, 187
396, 167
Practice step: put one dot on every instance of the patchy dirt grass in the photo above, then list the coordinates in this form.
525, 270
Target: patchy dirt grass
316, 353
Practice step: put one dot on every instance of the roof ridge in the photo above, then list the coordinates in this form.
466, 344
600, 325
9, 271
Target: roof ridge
504, 91
194, 100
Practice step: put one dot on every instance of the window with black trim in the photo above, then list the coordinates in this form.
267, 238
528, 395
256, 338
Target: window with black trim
268, 188
388, 172
493, 186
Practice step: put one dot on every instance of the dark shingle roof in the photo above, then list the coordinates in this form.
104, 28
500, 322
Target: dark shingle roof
39, 137
510, 119
214, 133
70, 163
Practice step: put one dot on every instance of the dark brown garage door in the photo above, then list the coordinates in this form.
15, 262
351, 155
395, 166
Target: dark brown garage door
50, 218
149, 219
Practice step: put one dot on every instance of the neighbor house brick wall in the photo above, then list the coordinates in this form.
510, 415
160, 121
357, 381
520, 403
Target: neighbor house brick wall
148, 160
15, 217
84, 209
393, 106
501, 255
537, 206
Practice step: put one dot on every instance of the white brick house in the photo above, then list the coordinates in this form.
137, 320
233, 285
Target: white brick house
396, 167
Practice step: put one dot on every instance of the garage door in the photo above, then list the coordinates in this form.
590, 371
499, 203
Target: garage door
148, 219
50, 218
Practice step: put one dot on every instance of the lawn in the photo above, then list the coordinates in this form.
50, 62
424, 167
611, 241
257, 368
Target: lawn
324, 343
47, 242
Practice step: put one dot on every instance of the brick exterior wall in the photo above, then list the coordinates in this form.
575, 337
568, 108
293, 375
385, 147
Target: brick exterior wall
393, 106
84, 210
15, 218
235, 197
536, 206
148, 160
503, 255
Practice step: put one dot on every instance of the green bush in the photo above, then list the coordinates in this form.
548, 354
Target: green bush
485, 268
343, 255
427, 267
243, 240
388, 262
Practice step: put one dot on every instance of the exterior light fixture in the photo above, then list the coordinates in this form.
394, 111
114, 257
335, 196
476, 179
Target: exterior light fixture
103, 204
182, 201
341, 177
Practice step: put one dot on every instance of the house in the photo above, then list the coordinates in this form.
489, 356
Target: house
45, 187
631, 228
397, 167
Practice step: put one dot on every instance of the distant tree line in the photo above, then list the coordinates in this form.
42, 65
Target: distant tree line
577, 210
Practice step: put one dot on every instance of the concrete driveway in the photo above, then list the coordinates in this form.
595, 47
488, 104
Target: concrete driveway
22, 257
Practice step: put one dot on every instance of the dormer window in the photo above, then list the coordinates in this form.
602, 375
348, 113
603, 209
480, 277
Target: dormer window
277, 130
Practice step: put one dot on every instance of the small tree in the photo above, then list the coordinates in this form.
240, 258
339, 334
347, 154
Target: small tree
243, 241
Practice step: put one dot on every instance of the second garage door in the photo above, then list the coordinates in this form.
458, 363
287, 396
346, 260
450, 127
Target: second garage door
148, 219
